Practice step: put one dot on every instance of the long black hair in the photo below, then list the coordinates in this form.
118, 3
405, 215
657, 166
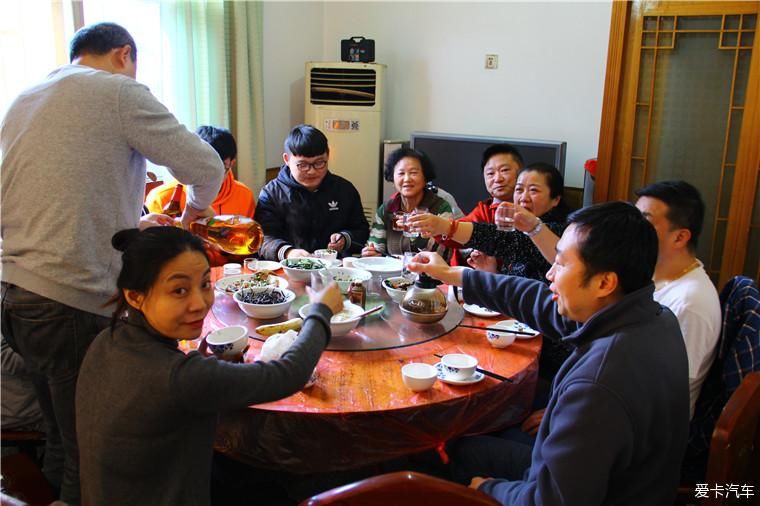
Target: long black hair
144, 253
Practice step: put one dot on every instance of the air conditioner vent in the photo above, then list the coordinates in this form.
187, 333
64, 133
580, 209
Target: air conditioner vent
343, 86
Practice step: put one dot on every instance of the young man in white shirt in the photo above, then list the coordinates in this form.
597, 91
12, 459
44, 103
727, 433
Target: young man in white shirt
676, 210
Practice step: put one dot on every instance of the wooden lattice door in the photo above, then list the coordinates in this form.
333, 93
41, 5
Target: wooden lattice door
682, 102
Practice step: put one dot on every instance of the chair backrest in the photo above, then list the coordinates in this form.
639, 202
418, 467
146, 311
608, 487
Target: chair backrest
738, 355
403, 488
735, 446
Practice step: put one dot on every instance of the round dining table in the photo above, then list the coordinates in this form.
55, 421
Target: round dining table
359, 412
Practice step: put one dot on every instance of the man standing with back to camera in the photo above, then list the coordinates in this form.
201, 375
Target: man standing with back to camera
73, 173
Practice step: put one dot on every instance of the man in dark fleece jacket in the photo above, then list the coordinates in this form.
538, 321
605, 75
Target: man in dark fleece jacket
616, 426
306, 207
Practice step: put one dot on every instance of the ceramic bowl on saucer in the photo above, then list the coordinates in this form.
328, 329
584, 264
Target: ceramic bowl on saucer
459, 366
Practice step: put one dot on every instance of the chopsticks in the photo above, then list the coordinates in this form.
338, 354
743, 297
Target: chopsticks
496, 329
486, 373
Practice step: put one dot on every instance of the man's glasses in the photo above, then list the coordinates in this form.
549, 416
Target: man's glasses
316, 165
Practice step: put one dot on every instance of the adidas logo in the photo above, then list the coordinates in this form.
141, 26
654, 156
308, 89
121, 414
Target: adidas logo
333, 205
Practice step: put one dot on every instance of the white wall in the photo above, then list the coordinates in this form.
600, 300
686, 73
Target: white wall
549, 83
292, 36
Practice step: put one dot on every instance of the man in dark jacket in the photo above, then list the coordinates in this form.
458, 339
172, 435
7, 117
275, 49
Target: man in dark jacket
615, 428
306, 207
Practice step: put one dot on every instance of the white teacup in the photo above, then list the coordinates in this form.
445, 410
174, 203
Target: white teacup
418, 376
228, 342
499, 339
459, 366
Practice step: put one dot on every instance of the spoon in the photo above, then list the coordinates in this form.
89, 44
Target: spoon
370, 311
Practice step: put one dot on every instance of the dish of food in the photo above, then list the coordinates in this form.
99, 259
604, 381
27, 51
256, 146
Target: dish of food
231, 284
305, 264
269, 296
398, 283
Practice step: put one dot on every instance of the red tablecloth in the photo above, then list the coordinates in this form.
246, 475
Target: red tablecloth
359, 411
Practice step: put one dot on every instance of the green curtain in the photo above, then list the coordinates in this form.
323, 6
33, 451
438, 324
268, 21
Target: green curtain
214, 71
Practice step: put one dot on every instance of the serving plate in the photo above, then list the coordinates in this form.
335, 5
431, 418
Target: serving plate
387, 266
481, 311
267, 265
231, 284
475, 378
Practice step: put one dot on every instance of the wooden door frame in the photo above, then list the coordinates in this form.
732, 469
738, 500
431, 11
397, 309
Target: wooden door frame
622, 58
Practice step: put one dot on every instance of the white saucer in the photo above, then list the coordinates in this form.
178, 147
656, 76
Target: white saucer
268, 265
478, 376
510, 325
481, 311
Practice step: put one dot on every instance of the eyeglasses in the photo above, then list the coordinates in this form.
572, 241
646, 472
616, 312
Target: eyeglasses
316, 165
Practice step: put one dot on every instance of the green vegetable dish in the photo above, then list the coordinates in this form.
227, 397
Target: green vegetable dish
306, 264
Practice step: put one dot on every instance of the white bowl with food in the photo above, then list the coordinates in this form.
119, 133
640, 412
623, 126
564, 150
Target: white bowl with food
341, 323
343, 276
397, 287
231, 284
300, 269
264, 303
326, 254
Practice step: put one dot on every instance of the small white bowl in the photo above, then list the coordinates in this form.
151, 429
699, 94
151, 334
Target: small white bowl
344, 275
264, 311
459, 366
418, 376
341, 323
329, 254
302, 275
228, 342
396, 293
500, 339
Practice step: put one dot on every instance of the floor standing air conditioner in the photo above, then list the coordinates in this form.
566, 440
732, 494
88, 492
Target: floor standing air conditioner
345, 101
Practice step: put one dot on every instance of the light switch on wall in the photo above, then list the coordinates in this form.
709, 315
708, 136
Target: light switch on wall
492, 61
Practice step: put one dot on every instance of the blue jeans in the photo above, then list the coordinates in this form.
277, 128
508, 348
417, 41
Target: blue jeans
490, 456
52, 338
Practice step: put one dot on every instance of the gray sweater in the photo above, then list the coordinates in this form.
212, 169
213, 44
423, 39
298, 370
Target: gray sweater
73, 173
146, 411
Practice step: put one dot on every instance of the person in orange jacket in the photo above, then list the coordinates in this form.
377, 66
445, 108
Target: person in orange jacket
234, 197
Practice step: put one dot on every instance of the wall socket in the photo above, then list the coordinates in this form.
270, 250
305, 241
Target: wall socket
492, 61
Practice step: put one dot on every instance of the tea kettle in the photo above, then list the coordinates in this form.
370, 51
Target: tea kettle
424, 302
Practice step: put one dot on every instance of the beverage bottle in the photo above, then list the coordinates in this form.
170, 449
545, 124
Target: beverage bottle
232, 233
357, 294
173, 208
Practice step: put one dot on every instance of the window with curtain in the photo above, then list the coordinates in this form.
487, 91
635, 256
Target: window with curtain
33, 42
201, 59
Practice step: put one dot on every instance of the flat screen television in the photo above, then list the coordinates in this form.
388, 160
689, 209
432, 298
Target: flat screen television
457, 160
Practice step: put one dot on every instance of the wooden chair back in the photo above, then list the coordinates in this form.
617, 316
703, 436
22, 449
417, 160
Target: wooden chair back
402, 488
735, 445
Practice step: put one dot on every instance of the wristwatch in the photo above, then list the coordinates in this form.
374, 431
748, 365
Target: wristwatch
536, 229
